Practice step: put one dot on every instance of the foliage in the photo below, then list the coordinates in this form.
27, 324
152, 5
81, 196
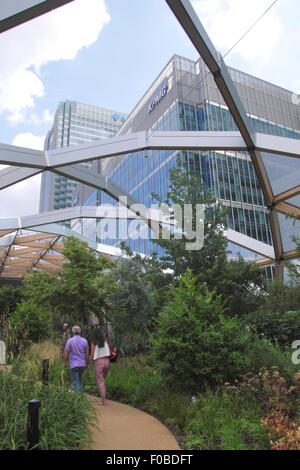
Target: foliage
279, 405
282, 298
281, 329
134, 381
80, 294
284, 434
278, 316
152, 273
195, 342
130, 307
222, 421
30, 323
217, 420
206, 263
243, 287
268, 388
74, 295
9, 298
241, 283
261, 352
65, 417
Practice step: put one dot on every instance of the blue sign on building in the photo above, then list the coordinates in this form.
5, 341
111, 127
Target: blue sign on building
157, 97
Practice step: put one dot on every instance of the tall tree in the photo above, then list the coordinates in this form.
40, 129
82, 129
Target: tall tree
81, 295
130, 306
240, 283
75, 294
187, 192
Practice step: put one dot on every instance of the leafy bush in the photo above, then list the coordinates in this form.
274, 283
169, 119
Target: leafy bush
261, 352
278, 401
130, 307
64, 416
30, 322
281, 328
10, 296
218, 420
283, 297
195, 342
133, 381
221, 421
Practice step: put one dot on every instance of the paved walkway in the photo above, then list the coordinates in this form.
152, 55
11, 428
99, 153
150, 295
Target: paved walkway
122, 427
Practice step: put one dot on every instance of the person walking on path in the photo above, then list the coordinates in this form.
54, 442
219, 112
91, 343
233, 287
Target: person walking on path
100, 355
77, 351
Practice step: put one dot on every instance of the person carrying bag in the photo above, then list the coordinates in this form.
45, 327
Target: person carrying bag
101, 354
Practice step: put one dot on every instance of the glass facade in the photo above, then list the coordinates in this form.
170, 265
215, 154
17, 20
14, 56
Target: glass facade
193, 102
75, 123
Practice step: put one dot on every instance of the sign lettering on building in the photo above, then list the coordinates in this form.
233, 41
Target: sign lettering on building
159, 95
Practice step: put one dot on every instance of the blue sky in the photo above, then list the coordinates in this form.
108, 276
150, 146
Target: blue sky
108, 52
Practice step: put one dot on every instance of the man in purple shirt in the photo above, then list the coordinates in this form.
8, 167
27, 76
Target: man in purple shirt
77, 350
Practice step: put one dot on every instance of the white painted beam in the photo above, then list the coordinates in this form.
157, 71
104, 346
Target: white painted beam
16, 12
250, 244
22, 157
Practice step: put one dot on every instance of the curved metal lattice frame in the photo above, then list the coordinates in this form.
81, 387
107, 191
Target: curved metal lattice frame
25, 163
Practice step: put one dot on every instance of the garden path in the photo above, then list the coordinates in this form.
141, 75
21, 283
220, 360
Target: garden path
122, 427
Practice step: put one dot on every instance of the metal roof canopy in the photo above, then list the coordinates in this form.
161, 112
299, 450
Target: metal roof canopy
20, 253
15, 12
26, 163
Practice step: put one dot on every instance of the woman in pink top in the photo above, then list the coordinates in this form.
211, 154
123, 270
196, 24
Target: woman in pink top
100, 355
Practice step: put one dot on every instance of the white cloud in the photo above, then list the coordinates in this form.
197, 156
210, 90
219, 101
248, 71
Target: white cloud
29, 140
57, 35
31, 118
227, 21
23, 198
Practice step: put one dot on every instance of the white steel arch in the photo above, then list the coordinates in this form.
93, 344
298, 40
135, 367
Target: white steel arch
25, 163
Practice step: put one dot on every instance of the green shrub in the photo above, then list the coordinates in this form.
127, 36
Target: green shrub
64, 416
10, 296
261, 352
194, 342
220, 418
133, 381
280, 328
30, 322
220, 421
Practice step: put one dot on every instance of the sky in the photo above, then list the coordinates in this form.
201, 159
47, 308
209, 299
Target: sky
108, 52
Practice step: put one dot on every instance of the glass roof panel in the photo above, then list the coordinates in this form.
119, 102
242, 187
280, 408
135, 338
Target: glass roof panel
234, 251
283, 172
294, 201
289, 228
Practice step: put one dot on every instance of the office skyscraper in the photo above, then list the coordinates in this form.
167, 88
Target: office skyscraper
74, 123
184, 97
